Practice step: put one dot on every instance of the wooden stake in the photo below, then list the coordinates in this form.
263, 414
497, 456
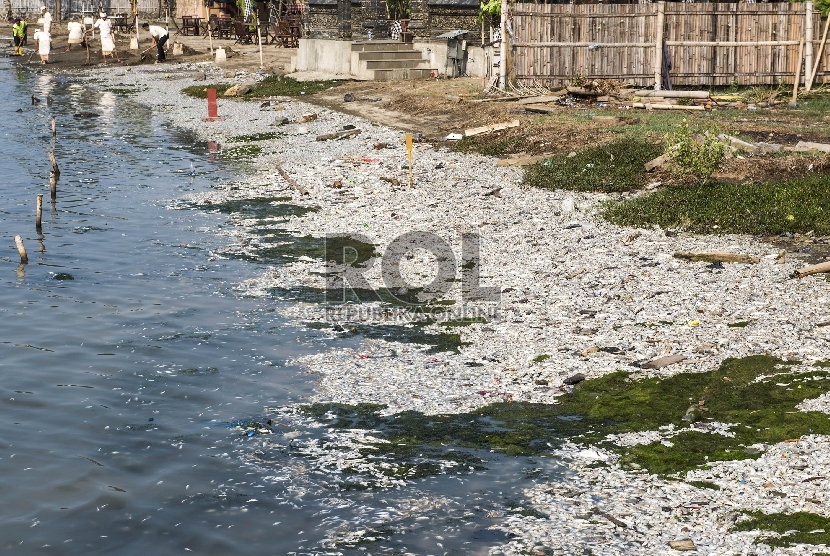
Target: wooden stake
818, 58
18, 241
55, 168
53, 185
54, 129
409, 155
39, 214
798, 70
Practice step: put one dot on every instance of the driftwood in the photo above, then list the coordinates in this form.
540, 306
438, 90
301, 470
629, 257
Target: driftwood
656, 106
490, 128
683, 544
611, 518
338, 135
655, 163
539, 100
671, 94
291, 182
812, 269
810, 146
585, 92
716, 257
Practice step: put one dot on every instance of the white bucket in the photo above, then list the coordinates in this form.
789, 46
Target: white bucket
220, 55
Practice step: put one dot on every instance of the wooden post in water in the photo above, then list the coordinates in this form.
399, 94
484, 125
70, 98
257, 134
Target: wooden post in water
54, 129
55, 168
39, 214
18, 241
53, 185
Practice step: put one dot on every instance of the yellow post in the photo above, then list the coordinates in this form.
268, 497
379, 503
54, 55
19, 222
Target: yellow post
409, 155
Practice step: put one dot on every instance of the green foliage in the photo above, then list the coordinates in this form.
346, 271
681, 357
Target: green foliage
488, 7
795, 528
821, 5
796, 206
617, 166
200, 91
694, 154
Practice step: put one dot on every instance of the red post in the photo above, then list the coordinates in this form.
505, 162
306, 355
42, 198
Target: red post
213, 112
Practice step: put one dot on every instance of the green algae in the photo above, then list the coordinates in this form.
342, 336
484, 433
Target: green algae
542, 357
265, 136
794, 528
758, 394
739, 324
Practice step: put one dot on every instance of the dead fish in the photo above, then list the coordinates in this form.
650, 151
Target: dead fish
86, 115
35, 100
265, 104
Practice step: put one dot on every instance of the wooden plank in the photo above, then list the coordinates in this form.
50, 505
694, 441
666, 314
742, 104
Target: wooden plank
490, 128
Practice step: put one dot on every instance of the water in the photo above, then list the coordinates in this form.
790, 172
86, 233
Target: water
125, 353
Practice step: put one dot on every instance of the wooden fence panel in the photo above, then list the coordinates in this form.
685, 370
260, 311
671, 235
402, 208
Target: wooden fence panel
708, 43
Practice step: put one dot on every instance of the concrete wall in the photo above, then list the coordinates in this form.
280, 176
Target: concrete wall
325, 55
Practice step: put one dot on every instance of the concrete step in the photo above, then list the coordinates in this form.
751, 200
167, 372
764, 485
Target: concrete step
394, 64
374, 46
373, 55
401, 74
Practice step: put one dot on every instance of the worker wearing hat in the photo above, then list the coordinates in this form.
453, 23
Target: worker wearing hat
159, 35
17, 32
47, 20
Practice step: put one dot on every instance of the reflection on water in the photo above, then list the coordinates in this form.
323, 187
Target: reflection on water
124, 353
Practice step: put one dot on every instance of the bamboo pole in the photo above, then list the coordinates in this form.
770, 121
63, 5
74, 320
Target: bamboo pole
818, 58
658, 45
54, 129
53, 185
55, 168
503, 47
798, 71
808, 40
21, 250
39, 213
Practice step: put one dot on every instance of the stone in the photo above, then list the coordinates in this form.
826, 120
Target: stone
199, 76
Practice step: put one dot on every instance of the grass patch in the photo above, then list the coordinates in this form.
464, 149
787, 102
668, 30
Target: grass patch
273, 85
200, 91
617, 166
739, 324
797, 206
795, 528
540, 358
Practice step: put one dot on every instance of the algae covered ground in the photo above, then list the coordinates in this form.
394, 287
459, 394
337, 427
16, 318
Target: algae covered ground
756, 396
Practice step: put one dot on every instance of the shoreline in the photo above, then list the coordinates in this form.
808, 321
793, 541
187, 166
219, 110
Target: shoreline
571, 285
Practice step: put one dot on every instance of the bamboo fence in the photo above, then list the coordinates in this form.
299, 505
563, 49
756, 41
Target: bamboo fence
708, 43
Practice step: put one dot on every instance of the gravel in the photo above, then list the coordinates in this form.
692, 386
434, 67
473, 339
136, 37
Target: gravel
570, 284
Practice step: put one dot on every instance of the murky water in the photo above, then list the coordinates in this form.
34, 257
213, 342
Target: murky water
125, 353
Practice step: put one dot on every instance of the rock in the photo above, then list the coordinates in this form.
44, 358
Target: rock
661, 362
574, 379
229, 74
233, 91
282, 121
348, 97
307, 118
244, 90
683, 544
199, 76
